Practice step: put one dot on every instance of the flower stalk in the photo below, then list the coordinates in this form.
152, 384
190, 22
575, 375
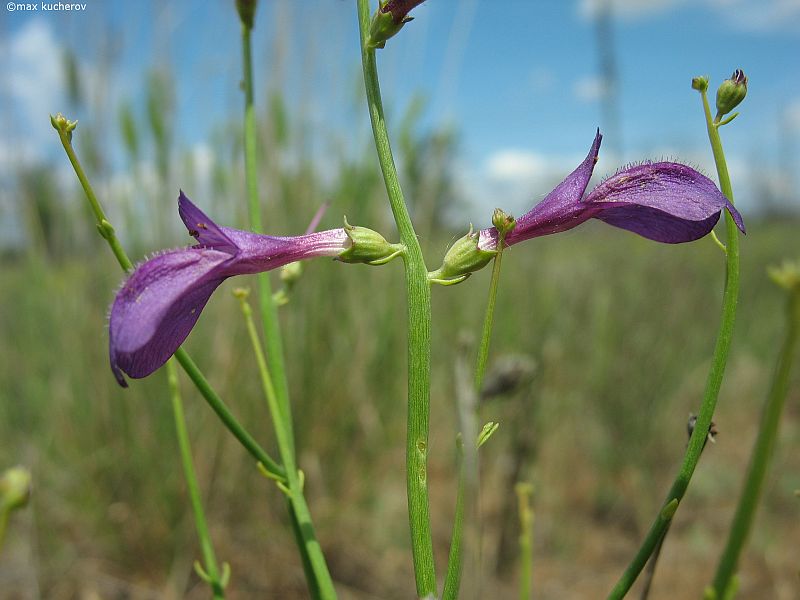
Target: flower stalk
762, 451
321, 579
210, 568
419, 328
719, 361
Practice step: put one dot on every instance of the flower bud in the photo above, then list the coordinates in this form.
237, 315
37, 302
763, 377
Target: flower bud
461, 260
503, 222
15, 488
700, 83
388, 20
63, 125
368, 246
247, 12
731, 92
787, 275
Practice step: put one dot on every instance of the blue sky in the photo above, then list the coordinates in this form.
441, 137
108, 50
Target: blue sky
518, 78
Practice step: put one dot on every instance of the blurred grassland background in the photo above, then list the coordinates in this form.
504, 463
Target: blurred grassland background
608, 336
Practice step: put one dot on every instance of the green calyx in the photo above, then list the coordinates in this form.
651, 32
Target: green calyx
247, 12
368, 247
63, 125
461, 260
383, 26
15, 488
730, 93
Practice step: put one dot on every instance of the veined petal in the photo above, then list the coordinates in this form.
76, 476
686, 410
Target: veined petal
665, 201
260, 253
157, 307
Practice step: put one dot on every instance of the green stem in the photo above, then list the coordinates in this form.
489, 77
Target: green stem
269, 312
524, 492
719, 361
418, 295
294, 489
452, 581
216, 403
486, 336
206, 547
762, 452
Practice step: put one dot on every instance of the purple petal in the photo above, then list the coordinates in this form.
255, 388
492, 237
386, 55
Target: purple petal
157, 307
207, 233
258, 253
666, 202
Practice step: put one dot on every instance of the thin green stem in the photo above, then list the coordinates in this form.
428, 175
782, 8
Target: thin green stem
216, 403
418, 296
524, 492
294, 486
762, 452
269, 312
719, 360
486, 336
452, 581
206, 547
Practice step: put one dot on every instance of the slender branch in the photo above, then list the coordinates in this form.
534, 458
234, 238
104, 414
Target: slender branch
206, 547
713, 383
762, 452
419, 329
486, 336
107, 231
294, 490
269, 312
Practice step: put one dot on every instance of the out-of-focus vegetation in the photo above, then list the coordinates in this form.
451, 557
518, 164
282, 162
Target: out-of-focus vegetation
610, 336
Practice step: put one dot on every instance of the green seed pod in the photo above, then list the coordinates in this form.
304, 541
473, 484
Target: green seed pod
731, 92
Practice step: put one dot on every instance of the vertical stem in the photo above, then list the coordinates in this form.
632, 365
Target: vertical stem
524, 492
719, 360
419, 329
206, 547
486, 336
269, 313
452, 581
321, 580
762, 452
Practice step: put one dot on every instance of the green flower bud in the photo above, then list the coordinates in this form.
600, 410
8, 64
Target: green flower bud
61, 124
461, 260
787, 275
368, 246
388, 20
247, 12
503, 222
700, 83
731, 92
15, 488
291, 273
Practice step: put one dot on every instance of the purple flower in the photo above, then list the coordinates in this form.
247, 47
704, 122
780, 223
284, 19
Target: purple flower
158, 305
663, 201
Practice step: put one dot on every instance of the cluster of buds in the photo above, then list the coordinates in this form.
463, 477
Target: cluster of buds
730, 94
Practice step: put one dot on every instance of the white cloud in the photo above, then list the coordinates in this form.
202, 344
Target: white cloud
515, 166
33, 80
627, 9
747, 15
590, 88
